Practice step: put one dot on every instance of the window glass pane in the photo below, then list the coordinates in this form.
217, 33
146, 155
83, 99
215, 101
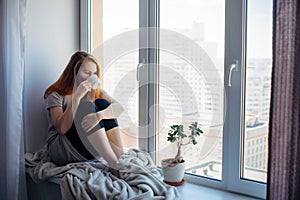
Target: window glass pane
111, 18
191, 82
258, 87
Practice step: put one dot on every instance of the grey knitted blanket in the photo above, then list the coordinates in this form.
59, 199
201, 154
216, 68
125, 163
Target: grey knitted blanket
92, 180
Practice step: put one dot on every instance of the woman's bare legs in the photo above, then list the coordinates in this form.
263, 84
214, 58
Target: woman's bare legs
111, 127
101, 144
107, 144
115, 141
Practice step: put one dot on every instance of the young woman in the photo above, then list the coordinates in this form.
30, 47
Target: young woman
82, 120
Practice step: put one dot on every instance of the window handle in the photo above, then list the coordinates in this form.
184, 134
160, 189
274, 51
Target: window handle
231, 68
138, 70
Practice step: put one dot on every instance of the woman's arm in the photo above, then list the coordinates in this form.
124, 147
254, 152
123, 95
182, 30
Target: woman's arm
63, 121
114, 110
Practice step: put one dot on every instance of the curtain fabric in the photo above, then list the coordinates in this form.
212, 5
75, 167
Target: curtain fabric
12, 60
284, 138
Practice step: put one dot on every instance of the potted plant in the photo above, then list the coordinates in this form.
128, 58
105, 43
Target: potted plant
173, 168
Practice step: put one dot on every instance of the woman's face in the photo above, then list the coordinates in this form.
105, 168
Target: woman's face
86, 70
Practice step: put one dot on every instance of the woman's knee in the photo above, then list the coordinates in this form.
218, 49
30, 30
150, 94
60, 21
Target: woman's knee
84, 109
110, 123
101, 103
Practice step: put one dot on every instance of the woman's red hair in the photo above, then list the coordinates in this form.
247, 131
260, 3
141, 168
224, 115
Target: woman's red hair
64, 85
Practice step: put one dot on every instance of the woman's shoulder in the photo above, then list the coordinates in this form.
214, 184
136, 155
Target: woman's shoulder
54, 95
54, 99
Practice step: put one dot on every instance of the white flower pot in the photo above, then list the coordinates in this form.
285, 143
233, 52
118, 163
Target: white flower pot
173, 172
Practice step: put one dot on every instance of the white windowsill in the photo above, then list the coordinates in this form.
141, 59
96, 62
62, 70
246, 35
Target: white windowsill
192, 191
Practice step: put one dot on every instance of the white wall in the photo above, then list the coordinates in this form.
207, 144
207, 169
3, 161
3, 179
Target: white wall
52, 37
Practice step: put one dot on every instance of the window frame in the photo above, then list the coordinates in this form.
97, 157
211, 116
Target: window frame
235, 46
236, 26
85, 25
237, 137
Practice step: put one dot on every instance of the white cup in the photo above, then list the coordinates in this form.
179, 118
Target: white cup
95, 81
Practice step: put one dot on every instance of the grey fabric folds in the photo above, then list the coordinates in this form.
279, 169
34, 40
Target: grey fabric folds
140, 178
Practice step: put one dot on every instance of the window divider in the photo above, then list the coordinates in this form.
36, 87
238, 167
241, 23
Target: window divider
85, 25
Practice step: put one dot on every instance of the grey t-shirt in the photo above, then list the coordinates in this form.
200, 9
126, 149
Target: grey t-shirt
55, 100
59, 147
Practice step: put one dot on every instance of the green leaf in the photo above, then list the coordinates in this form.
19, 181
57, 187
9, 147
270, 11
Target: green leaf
171, 139
181, 134
180, 128
199, 130
174, 127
